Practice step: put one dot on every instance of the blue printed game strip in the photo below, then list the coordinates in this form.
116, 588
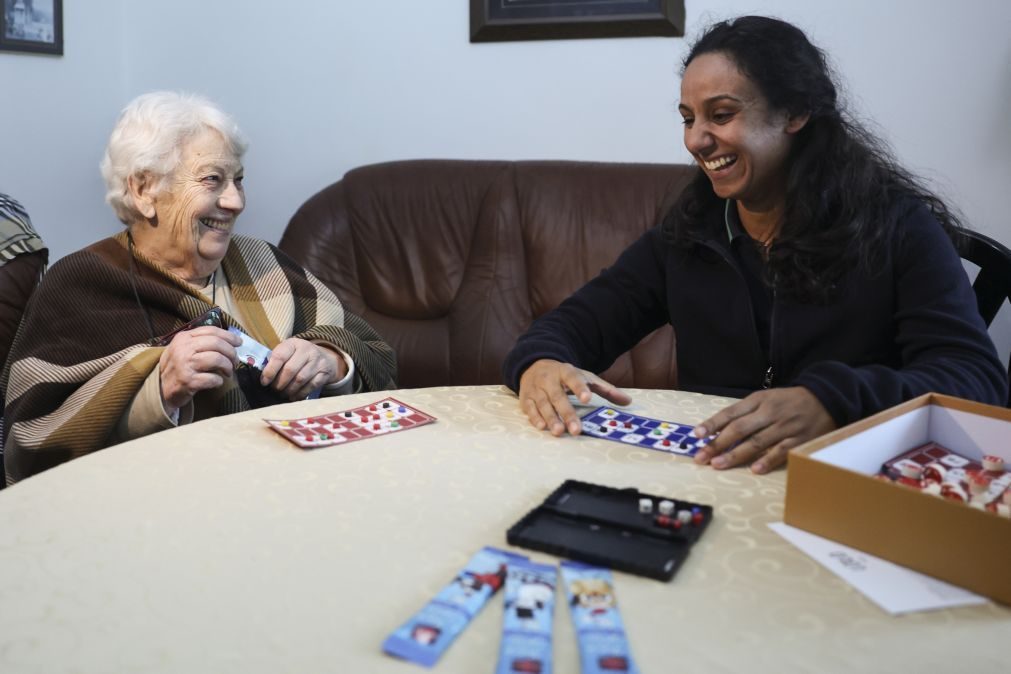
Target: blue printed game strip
608, 423
528, 619
428, 633
603, 645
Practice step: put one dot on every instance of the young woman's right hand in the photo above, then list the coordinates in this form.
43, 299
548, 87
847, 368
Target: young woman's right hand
544, 389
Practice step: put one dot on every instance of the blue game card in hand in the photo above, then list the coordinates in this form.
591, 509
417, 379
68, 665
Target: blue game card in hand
250, 352
256, 355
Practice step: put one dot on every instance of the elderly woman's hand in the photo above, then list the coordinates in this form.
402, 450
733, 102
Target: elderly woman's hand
297, 368
763, 428
195, 360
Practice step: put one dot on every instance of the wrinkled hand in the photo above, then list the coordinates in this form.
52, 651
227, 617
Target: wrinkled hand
195, 360
544, 389
297, 367
763, 428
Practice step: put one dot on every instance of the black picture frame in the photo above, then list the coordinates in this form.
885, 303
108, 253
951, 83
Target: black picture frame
508, 20
24, 26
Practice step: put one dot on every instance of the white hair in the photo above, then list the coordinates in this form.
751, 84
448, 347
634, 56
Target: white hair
149, 136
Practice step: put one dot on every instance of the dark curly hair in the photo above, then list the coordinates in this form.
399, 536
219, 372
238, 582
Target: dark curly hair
842, 182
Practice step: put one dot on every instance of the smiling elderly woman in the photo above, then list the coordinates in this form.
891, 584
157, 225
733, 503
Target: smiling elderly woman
101, 357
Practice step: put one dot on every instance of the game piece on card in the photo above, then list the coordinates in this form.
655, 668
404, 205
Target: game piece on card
665, 436
993, 464
335, 428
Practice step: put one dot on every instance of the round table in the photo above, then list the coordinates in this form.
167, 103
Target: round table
221, 547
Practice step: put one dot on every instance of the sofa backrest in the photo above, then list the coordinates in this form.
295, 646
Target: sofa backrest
451, 260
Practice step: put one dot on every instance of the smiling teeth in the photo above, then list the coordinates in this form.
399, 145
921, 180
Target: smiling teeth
719, 163
215, 224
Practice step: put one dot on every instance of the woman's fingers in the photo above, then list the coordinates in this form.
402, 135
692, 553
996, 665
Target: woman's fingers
196, 360
763, 428
544, 395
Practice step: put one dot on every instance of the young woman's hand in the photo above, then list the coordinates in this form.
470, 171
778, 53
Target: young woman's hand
544, 389
763, 428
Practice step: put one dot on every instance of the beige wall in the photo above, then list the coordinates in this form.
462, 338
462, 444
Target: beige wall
324, 86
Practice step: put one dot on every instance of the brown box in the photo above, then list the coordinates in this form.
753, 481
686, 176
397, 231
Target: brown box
831, 491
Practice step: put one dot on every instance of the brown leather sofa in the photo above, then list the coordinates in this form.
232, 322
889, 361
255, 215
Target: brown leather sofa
451, 260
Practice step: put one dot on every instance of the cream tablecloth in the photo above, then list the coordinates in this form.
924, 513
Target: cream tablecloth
220, 547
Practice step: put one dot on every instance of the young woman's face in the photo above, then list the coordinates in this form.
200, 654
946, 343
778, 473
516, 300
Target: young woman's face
739, 142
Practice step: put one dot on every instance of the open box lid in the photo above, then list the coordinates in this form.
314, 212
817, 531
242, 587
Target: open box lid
832, 491
966, 428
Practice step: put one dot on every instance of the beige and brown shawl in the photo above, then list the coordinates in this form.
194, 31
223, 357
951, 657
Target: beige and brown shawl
83, 350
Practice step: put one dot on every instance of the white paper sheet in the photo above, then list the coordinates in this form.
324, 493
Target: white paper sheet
894, 588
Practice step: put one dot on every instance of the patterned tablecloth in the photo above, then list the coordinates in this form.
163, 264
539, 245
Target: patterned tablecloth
220, 547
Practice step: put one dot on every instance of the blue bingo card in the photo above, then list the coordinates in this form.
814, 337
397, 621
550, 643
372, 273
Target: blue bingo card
665, 436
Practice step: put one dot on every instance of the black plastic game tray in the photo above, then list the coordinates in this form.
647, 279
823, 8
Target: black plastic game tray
603, 526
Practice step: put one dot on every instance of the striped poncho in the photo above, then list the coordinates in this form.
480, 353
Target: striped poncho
83, 350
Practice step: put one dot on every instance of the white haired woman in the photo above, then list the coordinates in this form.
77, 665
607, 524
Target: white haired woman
108, 351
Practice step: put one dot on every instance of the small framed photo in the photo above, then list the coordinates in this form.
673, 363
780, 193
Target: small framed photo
32, 26
505, 20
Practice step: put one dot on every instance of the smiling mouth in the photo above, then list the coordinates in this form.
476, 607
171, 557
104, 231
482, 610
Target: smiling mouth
720, 163
217, 225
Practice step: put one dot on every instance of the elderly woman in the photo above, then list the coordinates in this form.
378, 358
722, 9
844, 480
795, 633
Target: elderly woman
102, 357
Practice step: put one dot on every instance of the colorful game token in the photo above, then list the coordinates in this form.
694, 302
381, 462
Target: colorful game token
993, 464
349, 425
938, 471
664, 436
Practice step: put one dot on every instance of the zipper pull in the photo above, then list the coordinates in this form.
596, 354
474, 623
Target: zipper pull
767, 383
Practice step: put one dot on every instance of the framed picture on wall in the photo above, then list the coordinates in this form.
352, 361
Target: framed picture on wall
505, 20
32, 26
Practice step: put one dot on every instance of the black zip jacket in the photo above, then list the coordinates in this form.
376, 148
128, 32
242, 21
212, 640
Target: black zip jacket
909, 327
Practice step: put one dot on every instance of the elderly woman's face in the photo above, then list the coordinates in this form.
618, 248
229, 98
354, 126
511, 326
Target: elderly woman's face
200, 202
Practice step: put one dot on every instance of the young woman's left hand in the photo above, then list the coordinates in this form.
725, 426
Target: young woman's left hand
763, 428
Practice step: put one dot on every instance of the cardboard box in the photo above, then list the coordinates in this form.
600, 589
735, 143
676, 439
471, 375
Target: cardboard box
831, 491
